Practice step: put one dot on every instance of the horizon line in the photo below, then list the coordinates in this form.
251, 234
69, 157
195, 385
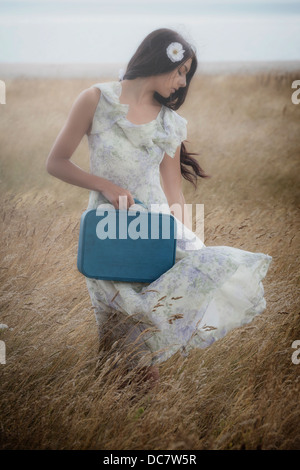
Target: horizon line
74, 69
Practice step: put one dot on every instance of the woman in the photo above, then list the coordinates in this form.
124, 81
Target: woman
135, 138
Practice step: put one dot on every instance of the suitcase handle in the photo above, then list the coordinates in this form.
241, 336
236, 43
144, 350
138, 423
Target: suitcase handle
135, 200
139, 202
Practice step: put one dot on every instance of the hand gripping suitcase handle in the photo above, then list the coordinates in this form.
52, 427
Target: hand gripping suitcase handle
135, 200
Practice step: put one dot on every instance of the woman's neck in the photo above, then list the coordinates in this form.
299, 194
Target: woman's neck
139, 91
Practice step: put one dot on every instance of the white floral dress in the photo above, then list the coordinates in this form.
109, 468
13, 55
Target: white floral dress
210, 289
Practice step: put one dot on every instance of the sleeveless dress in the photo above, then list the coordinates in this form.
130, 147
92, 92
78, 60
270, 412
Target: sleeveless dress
210, 289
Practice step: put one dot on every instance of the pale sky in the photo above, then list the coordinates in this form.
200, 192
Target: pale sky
31, 34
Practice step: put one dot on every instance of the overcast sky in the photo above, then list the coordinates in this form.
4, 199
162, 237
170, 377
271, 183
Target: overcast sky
92, 31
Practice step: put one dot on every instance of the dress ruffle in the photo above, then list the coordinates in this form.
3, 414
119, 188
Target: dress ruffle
167, 131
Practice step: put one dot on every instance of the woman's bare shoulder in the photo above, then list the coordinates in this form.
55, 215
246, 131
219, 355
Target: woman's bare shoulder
90, 97
85, 105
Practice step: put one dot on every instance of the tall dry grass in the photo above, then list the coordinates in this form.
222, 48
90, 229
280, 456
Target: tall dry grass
57, 391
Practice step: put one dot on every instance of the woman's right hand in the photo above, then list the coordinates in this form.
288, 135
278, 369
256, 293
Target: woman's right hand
119, 197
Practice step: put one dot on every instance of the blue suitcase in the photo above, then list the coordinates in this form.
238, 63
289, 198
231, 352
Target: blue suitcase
123, 253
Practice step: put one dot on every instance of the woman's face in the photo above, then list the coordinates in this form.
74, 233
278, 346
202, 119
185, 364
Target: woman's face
168, 83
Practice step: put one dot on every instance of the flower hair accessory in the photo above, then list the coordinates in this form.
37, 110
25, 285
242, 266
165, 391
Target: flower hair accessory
121, 74
175, 51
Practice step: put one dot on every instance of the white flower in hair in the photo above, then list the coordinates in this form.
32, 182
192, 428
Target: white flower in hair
175, 51
121, 74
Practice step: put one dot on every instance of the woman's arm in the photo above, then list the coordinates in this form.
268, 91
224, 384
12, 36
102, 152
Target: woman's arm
172, 185
58, 162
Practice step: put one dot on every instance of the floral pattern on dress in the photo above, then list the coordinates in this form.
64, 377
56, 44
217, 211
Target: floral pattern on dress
210, 289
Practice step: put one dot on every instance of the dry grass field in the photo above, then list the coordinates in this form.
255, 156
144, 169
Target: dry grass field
240, 393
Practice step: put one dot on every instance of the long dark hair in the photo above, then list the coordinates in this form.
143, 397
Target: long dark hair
151, 59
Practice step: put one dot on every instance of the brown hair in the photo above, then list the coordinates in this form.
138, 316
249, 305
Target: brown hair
151, 59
